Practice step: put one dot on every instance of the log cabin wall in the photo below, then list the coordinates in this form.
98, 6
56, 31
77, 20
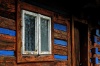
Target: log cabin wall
62, 39
9, 48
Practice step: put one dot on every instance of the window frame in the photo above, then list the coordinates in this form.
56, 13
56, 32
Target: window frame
23, 32
37, 33
31, 58
49, 35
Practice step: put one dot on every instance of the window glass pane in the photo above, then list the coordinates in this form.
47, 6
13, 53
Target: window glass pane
44, 35
29, 32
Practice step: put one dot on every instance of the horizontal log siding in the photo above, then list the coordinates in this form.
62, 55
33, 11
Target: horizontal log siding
7, 23
8, 42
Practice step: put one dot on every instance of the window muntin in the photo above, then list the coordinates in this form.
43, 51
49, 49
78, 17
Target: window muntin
36, 33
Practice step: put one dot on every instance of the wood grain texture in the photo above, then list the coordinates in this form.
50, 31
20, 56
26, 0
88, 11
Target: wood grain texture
32, 8
61, 63
7, 8
97, 46
37, 58
69, 43
96, 55
73, 45
9, 42
96, 64
7, 23
60, 50
7, 59
60, 19
60, 32
7, 5
11, 61
46, 63
7, 38
60, 35
7, 45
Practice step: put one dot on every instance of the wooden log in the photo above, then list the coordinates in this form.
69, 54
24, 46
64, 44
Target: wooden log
90, 55
7, 23
10, 63
7, 45
96, 55
7, 59
60, 50
91, 46
60, 63
7, 5
7, 14
60, 35
7, 38
37, 58
56, 63
2, 64
36, 64
60, 21
96, 64
7, 8
97, 46
60, 32
29, 7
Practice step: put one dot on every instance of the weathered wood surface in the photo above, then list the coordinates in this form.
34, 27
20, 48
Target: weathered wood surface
96, 65
36, 9
7, 59
7, 45
96, 55
7, 8
4, 61
60, 50
90, 55
60, 32
7, 23
60, 20
60, 35
91, 45
60, 63
97, 46
35, 58
7, 38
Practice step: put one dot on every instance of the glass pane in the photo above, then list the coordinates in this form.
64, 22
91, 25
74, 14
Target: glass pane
29, 32
44, 35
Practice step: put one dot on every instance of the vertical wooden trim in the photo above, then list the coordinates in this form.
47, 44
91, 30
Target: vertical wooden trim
88, 48
18, 21
69, 44
73, 45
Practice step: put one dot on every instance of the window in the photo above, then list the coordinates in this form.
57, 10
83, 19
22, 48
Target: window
36, 33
